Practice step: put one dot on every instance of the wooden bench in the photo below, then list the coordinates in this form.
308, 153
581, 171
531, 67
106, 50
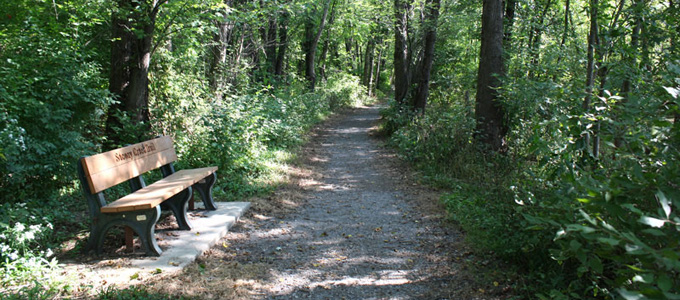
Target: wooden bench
140, 210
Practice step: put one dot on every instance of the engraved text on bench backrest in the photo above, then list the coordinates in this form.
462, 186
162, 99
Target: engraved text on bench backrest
113, 167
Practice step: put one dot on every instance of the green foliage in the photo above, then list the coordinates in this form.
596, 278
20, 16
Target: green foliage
615, 218
133, 293
239, 133
24, 232
50, 101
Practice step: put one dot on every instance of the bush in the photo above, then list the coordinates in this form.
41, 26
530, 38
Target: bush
48, 114
23, 239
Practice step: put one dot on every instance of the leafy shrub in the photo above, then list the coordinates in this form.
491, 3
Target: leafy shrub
51, 102
344, 90
616, 217
581, 227
613, 220
23, 232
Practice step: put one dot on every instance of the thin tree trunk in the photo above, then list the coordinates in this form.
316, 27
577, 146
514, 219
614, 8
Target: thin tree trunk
221, 40
634, 47
401, 53
535, 39
491, 126
311, 42
423, 88
379, 66
590, 67
368, 63
564, 33
326, 44
509, 21
283, 43
270, 45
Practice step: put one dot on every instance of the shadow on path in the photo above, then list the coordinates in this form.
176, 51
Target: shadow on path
365, 231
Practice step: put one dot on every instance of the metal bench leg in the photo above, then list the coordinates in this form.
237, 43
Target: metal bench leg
178, 204
142, 222
204, 189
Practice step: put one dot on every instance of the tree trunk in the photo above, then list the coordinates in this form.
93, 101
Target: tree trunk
430, 25
590, 67
491, 126
221, 40
401, 61
509, 21
376, 85
311, 42
564, 34
326, 44
283, 43
368, 63
270, 45
322, 59
130, 60
634, 45
535, 39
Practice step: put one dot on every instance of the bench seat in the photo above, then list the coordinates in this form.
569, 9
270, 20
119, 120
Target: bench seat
152, 195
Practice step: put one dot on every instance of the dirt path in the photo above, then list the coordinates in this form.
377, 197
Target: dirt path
353, 226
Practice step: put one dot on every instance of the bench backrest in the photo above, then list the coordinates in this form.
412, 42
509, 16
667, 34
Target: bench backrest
113, 167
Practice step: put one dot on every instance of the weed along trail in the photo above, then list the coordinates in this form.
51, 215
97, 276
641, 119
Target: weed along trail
353, 225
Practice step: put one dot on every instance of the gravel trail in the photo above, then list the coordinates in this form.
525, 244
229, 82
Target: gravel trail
355, 227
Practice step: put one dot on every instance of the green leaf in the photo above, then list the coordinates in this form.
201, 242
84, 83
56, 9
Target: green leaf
671, 296
654, 232
629, 295
574, 245
595, 264
632, 208
664, 203
609, 241
673, 91
587, 217
664, 282
581, 228
654, 222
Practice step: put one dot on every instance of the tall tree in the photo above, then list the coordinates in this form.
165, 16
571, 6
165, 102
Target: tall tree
270, 44
219, 47
535, 35
283, 43
367, 76
401, 54
133, 24
423, 83
491, 126
590, 69
326, 43
509, 20
312, 36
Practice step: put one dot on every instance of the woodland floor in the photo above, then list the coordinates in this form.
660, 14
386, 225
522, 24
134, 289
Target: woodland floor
351, 224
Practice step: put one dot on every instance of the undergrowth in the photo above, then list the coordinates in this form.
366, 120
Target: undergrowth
565, 223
